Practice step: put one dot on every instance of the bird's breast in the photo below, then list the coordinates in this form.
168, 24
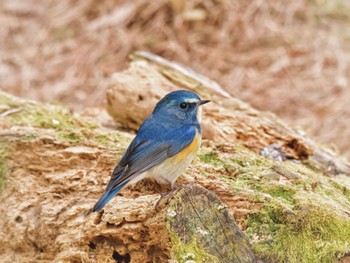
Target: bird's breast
189, 150
169, 170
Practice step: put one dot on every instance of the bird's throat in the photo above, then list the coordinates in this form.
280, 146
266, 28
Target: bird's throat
199, 114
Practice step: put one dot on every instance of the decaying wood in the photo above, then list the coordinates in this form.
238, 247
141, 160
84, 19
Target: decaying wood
53, 185
56, 174
190, 213
226, 119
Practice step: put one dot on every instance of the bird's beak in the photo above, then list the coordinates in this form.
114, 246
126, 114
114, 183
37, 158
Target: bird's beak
201, 102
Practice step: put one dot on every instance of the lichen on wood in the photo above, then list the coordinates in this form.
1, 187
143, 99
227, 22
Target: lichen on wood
56, 177
283, 207
3, 163
203, 230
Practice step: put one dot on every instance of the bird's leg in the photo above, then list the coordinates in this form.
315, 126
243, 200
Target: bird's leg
162, 195
182, 185
174, 189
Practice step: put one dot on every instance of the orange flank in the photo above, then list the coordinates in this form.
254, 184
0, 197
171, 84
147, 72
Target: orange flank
190, 149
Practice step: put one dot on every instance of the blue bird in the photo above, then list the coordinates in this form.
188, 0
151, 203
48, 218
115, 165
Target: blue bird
164, 146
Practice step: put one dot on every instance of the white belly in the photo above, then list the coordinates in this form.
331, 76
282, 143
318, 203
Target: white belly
169, 170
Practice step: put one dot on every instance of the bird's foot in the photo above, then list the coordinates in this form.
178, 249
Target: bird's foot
170, 194
182, 186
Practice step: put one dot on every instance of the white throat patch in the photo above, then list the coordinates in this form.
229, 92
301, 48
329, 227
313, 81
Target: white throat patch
199, 114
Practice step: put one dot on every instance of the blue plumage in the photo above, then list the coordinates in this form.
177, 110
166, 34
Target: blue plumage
107, 196
171, 128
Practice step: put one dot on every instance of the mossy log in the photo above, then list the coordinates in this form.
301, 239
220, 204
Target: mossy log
197, 217
54, 165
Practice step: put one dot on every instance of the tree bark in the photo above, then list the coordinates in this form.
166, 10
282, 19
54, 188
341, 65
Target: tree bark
197, 214
54, 180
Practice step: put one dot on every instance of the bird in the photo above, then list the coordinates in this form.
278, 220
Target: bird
164, 146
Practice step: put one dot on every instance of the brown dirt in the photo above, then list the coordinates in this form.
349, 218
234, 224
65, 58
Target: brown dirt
289, 58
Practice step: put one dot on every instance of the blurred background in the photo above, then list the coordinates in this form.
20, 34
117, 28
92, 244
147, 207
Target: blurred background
288, 57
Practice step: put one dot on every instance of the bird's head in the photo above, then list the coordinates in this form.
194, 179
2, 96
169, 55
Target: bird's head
181, 105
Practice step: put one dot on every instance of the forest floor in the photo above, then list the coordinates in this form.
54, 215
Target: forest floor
289, 58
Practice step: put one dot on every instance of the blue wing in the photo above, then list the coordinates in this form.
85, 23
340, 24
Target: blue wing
152, 145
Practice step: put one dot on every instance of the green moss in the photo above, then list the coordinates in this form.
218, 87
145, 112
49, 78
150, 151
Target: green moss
247, 162
68, 127
47, 116
261, 223
303, 217
4, 151
191, 251
106, 139
343, 190
310, 234
282, 192
5, 98
250, 170
185, 252
210, 157
51, 117
111, 139
71, 137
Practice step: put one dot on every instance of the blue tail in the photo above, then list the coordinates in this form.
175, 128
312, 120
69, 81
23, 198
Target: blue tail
107, 196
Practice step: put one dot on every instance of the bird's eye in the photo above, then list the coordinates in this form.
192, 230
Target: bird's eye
183, 105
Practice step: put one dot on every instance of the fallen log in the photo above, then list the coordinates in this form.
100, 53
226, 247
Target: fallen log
55, 164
